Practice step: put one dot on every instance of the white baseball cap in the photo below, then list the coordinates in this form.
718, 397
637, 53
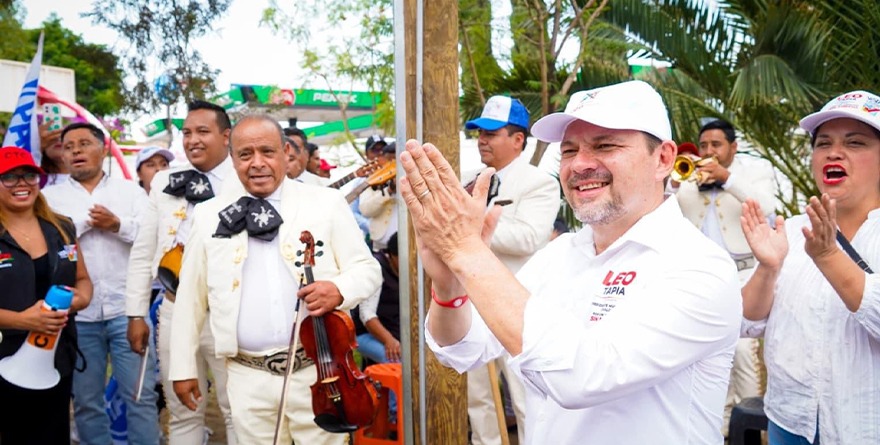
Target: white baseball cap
149, 152
633, 105
859, 105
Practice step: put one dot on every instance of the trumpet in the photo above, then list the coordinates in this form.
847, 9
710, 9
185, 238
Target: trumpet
684, 167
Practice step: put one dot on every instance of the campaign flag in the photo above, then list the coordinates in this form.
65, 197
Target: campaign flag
115, 407
23, 131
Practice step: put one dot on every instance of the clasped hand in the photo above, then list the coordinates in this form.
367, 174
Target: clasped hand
449, 222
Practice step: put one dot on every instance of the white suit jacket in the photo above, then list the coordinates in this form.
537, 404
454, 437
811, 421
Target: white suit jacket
754, 180
156, 236
212, 267
525, 224
378, 206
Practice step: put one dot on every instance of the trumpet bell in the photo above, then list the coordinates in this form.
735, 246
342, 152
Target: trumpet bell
169, 268
682, 168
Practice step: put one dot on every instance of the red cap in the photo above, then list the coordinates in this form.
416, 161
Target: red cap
688, 147
14, 157
326, 165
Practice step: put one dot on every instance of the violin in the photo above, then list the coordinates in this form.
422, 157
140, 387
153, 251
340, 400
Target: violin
343, 398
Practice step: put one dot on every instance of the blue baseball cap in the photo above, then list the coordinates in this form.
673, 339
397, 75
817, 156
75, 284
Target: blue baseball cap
500, 111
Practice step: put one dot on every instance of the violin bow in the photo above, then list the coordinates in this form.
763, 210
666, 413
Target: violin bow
291, 354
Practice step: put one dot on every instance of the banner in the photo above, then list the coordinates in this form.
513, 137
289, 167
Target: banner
23, 129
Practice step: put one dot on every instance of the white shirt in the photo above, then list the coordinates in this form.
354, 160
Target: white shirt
106, 253
216, 177
631, 346
823, 360
308, 177
268, 295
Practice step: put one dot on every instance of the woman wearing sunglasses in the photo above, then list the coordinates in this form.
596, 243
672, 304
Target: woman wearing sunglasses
38, 249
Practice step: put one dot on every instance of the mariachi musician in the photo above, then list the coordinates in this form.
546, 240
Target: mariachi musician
242, 264
157, 252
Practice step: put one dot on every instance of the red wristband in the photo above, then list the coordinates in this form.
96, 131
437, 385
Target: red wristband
454, 303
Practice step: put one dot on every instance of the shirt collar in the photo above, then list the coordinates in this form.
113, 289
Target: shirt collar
507, 168
100, 184
221, 170
274, 198
649, 230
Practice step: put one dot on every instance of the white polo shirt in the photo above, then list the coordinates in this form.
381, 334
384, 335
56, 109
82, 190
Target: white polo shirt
631, 346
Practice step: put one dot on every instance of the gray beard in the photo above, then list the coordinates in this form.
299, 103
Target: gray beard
601, 214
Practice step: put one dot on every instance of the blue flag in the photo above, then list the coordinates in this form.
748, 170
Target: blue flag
23, 131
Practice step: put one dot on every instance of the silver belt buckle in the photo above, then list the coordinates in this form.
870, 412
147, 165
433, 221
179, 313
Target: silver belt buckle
745, 263
275, 364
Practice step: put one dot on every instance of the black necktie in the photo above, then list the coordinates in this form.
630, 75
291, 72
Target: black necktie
709, 187
191, 184
254, 214
494, 183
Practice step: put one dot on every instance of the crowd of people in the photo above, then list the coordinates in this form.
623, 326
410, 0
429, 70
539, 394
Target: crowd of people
650, 312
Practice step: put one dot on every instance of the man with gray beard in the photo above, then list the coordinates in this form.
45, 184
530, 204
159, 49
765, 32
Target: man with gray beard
608, 325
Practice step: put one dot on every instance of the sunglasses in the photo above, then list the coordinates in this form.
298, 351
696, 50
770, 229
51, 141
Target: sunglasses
12, 179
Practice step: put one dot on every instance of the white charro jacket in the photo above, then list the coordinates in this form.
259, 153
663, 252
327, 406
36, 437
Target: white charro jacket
212, 267
526, 223
158, 234
754, 180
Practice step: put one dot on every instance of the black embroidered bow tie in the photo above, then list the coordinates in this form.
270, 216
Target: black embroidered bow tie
254, 214
191, 184
709, 187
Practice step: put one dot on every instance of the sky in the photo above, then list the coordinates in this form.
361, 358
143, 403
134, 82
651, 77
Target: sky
239, 47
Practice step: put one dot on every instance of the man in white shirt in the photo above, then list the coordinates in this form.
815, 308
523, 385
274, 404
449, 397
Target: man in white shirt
249, 280
524, 227
165, 227
714, 205
106, 212
618, 337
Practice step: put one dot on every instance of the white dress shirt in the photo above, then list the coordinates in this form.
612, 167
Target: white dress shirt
631, 346
106, 252
823, 361
268, 295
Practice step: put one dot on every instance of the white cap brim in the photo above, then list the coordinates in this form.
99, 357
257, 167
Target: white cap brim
813, 121
551, 128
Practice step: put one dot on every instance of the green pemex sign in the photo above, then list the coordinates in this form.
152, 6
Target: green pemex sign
271, 96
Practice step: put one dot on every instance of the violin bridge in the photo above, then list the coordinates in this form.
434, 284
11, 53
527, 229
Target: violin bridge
329, 380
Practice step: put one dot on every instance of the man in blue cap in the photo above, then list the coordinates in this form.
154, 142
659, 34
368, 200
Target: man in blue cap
524, 227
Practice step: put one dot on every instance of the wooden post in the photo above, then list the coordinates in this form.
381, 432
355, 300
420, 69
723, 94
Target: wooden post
431, 108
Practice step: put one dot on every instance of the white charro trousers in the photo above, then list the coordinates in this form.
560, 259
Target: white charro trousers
481, 405
744, 382
187, 427
254, 396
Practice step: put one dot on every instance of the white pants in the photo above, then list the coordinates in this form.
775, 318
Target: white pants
187, 427
481, 405
744, 381
254, 396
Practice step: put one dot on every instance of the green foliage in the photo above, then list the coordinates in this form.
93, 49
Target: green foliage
98, 77
162, 31
760, 64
